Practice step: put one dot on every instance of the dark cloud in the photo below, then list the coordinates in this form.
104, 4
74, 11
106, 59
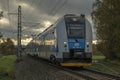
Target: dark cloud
39, 11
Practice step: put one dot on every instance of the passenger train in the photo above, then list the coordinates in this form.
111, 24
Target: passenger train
67, 42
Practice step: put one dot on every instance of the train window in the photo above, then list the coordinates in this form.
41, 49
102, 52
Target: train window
75, 27
74, 32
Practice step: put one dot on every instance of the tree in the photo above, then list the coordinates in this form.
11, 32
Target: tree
7, 47
106, 15
1, 35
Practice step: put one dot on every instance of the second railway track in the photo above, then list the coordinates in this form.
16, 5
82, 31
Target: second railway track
96, 75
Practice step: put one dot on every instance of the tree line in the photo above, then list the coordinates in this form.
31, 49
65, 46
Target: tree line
106, 16
6, 46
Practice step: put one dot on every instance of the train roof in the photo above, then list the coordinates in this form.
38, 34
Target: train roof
53, 25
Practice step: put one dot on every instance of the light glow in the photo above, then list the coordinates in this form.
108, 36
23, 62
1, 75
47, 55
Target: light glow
24, 41
47, 23
4, 21
94, 41
39, 30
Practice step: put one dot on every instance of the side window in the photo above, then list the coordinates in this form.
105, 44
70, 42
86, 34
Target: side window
42, 38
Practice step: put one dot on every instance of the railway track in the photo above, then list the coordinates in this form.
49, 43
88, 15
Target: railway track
85, 73
112, 77
96, 75
89, 74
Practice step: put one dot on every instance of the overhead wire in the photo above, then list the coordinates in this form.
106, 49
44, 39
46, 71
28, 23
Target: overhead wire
54, 8
41, 2
25, 22
42, 17
9, 18
32, 2
58, 9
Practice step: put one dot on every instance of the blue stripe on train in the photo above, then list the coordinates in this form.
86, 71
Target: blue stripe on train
76, 43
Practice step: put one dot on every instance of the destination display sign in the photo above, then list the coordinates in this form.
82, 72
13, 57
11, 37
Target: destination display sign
75, 25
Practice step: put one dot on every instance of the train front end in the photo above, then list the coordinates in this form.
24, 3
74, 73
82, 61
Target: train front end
79, 42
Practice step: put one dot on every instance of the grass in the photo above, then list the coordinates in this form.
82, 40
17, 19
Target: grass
108, 66
7, 67
95, 57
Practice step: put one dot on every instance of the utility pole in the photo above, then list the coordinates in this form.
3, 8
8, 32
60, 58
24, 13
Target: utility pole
1, 16
19, 47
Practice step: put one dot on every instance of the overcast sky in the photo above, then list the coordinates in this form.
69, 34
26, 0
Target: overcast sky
38, 14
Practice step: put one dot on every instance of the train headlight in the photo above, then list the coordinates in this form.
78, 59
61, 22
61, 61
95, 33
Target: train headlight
65, 44
87, 44
74, 19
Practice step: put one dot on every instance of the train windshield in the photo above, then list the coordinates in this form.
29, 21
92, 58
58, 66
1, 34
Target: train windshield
75, 27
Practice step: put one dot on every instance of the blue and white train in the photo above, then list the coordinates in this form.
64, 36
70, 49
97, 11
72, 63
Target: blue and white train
68, 42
